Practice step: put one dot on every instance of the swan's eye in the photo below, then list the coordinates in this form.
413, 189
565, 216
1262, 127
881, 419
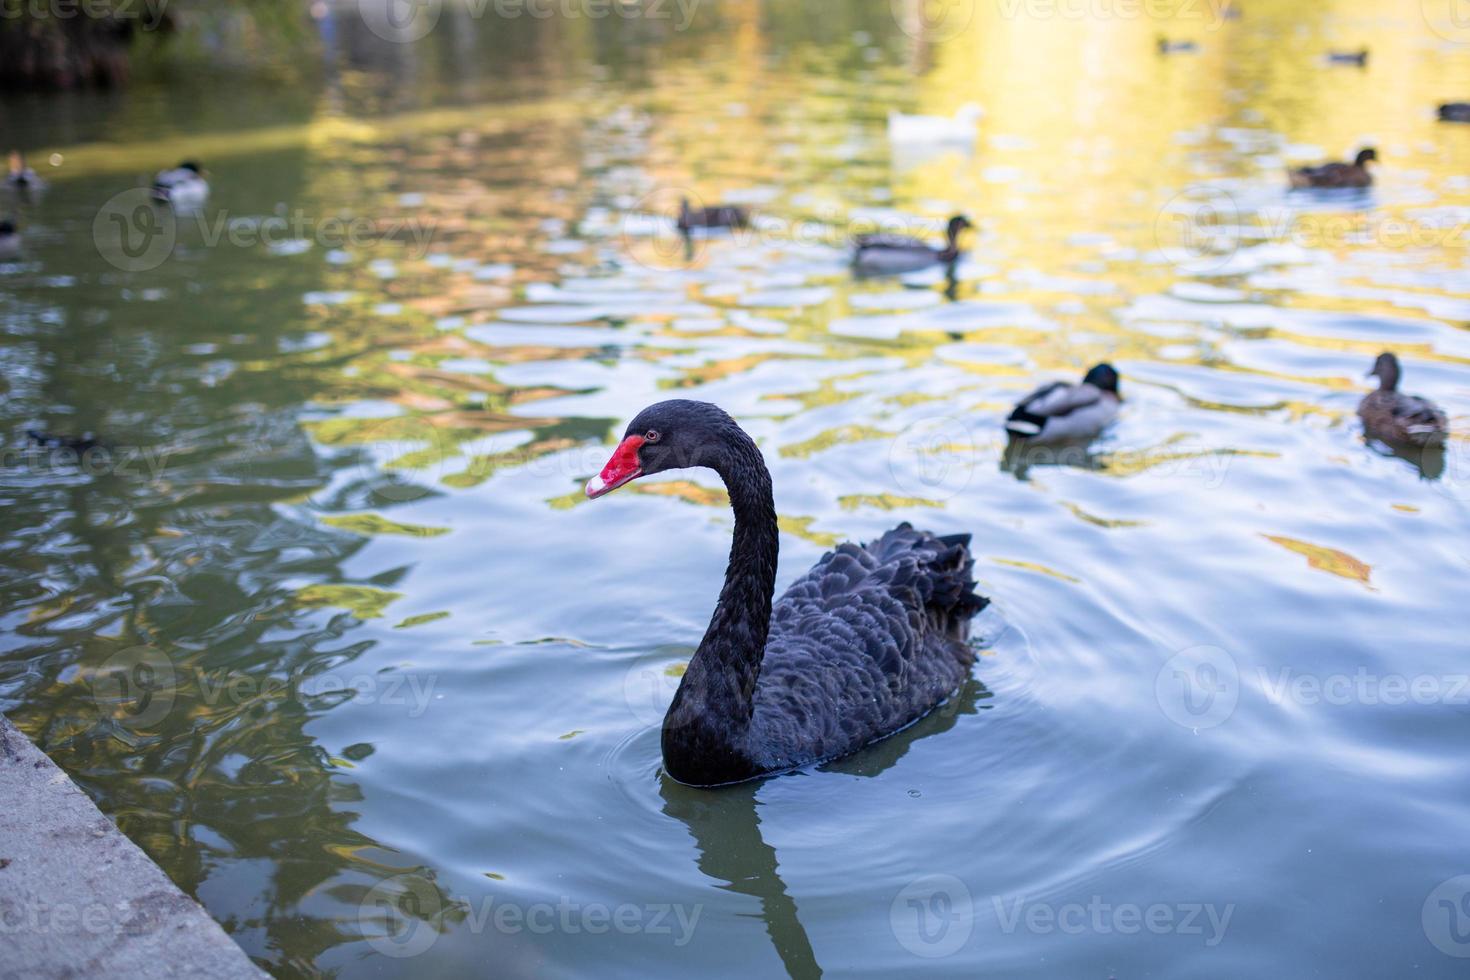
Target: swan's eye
653, 435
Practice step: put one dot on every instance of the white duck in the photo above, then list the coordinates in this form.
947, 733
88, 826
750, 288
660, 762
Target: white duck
1063, 412
961, 129
183, 187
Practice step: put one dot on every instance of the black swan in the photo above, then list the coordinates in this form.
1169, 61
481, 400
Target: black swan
1394, 417
1061, 412
1336, 175
864, 644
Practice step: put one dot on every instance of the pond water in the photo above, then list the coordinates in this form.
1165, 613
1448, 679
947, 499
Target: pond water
333, 634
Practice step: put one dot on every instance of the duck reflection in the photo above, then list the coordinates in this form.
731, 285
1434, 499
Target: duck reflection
726, 827
1428, 460
1020, 456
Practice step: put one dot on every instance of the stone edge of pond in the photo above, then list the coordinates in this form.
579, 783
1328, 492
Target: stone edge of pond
77, 898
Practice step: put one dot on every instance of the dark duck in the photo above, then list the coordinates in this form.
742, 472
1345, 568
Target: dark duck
1065, 412
1458, 112
1336, 175
876, 255
865, 643
1396, 418
719, 216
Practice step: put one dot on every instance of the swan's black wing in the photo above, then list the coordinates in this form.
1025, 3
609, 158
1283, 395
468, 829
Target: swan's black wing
868, 641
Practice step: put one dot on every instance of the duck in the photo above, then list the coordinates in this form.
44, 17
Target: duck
19, 177
1357, 58
960, 128
1336, 175
1455, 112
183, 186
885, 254
9, 241
868, 641
1396, 418
1065, 412
719, 216
1167, 46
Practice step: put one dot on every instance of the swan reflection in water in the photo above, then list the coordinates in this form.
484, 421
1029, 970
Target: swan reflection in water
726, 827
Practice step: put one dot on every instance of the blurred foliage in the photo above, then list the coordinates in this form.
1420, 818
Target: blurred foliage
64, 44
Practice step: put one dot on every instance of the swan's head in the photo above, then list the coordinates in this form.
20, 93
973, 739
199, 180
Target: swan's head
671, 435
1103, 376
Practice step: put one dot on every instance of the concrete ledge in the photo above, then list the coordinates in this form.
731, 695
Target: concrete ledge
78, 899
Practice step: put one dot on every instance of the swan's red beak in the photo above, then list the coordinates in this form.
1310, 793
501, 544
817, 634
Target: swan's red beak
622, 468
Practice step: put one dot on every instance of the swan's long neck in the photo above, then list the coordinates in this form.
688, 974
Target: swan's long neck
716, 697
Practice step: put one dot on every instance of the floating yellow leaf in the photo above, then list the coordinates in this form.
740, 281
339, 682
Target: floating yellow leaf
802, 528
833, 437
421, 619
1326, 559
1102, 521
884, 501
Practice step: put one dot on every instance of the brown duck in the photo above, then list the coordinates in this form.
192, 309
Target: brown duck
1394, 417
1332, 175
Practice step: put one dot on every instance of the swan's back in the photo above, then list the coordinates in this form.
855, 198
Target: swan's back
868, 641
